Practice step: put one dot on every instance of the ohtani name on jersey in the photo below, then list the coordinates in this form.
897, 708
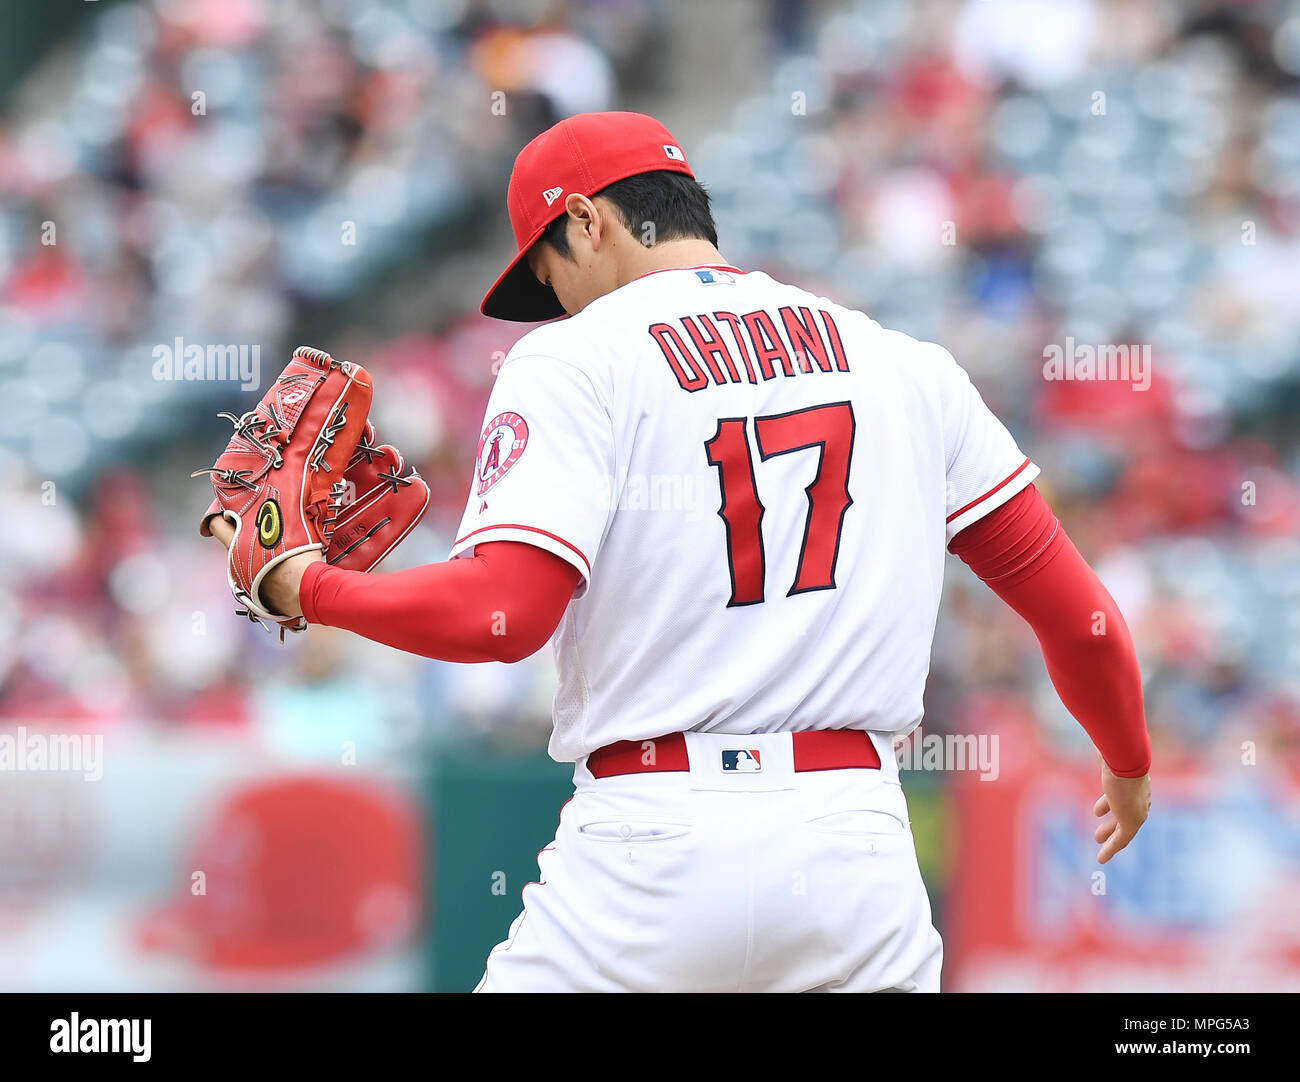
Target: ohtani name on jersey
714, 349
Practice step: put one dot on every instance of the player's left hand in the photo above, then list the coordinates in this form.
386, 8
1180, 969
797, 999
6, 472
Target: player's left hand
1128, 800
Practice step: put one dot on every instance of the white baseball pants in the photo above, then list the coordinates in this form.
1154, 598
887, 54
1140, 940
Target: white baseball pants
705, 881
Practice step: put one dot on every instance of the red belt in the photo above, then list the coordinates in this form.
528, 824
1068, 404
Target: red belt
822, 749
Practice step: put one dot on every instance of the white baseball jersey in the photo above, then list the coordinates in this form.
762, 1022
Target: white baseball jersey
757, 485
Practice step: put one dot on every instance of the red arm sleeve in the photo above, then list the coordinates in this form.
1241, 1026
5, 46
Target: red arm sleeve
501, 604
1025, 557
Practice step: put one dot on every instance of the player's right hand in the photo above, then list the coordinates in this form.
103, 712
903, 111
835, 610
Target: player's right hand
1128, 800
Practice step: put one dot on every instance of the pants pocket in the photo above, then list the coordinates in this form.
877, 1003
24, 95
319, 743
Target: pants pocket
862, 822
633, 830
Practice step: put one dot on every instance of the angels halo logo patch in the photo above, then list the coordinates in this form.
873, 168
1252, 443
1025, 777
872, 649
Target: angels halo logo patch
503, 441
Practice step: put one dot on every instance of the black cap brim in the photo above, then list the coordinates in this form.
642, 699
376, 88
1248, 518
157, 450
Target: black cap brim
518, 296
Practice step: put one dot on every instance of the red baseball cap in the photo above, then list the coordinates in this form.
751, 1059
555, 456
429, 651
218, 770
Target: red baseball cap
582, 154
300, 871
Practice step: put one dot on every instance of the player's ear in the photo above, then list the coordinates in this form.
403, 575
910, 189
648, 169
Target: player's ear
584, 213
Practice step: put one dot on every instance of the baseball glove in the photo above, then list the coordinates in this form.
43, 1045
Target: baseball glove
382, 502
305, 470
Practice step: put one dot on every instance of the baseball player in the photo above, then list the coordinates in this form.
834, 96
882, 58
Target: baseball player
726, 501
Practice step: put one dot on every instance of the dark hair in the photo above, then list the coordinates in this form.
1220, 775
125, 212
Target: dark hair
675, 204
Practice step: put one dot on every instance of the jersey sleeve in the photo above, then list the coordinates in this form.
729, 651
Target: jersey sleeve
545, 457
985, 468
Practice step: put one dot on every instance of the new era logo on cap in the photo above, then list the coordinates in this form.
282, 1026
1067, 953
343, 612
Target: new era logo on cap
551, 195
674, 152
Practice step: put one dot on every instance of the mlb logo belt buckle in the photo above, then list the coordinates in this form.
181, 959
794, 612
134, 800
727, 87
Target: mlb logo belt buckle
741, 761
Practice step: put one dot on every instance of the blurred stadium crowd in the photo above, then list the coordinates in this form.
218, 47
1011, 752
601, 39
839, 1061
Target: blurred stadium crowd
995, 177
